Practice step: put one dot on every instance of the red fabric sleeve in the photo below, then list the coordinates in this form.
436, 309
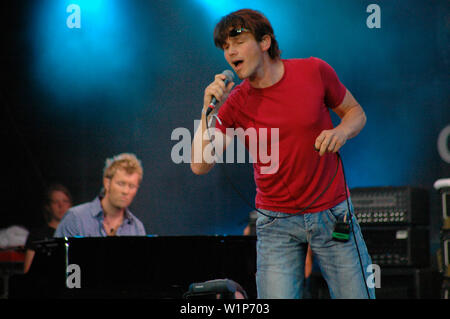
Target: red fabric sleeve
334, 89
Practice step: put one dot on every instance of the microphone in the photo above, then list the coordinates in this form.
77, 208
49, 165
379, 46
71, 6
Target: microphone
229, 78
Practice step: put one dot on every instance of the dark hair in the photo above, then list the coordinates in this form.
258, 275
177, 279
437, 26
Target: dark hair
252, 20
56, 187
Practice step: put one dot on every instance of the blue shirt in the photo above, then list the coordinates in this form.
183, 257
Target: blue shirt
86, 220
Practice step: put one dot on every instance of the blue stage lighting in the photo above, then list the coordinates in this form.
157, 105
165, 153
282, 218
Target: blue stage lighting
77, 60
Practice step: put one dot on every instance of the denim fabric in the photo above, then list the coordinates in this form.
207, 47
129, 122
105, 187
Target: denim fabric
281, 251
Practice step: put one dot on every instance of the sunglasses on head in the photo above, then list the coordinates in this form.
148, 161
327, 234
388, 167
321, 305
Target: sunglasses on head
236, 32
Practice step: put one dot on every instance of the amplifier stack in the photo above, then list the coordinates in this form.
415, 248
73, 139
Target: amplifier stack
443, 186
395, 225
376, 206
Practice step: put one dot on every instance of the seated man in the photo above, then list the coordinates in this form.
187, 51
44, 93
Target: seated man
58, 200
108, 214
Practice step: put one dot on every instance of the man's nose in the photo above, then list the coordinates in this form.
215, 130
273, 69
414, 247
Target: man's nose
231, 51
126, 189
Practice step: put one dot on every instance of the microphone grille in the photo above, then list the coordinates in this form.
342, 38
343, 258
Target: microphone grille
229, 74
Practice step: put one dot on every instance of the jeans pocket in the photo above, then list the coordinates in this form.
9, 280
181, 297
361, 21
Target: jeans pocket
338, 212
266, 220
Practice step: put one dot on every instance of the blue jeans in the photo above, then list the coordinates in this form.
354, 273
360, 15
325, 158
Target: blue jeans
281, 251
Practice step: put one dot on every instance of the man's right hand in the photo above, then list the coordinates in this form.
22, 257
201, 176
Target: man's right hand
218, 90
199, 164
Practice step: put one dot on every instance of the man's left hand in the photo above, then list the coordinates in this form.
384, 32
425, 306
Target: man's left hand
330, 141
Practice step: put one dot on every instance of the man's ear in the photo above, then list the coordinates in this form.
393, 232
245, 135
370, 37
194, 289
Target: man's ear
106, 183
265, 42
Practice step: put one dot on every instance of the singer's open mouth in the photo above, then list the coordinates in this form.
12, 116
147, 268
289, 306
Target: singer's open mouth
237, 63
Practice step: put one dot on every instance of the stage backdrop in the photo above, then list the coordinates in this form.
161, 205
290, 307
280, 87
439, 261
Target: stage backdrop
84, 80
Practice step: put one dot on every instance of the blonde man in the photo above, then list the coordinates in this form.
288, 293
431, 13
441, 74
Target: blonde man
108, 214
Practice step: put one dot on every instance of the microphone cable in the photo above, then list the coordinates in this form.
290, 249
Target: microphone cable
353, 230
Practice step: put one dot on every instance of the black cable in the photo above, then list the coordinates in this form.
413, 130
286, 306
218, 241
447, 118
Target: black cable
353, 231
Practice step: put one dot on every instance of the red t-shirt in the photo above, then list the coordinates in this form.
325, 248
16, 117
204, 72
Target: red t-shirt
298, 106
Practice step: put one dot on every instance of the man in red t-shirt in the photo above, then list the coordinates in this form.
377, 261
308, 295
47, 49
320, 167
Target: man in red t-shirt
301, 192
